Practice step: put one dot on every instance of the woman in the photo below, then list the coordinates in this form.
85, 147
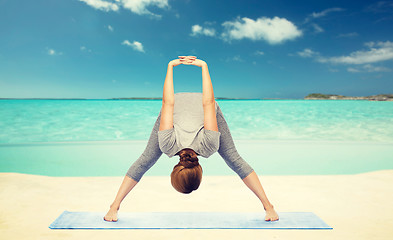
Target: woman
190, 124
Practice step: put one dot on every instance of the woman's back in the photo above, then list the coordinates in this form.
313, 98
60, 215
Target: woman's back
188, 128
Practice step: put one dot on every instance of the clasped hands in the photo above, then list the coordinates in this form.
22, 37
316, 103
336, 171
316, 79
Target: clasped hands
187, 60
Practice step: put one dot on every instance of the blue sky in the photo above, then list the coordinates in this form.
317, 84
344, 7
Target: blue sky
254, 49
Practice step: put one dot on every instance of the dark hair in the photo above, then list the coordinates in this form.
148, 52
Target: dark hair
187, 174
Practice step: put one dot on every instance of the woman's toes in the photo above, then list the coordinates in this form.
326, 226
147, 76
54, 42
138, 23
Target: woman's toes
108, 220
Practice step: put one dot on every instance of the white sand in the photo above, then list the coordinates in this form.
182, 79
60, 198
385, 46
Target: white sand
356, 206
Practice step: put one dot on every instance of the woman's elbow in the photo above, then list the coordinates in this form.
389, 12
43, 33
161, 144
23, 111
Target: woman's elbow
168, 102
208, 102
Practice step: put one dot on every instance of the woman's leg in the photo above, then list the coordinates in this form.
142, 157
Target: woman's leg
228, 151
232, 158
148, 158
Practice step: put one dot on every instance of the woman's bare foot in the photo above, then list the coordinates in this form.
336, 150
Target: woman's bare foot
271, 215
111, 216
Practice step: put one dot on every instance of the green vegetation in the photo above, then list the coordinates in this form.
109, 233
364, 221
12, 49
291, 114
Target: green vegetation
319, 95
379, 97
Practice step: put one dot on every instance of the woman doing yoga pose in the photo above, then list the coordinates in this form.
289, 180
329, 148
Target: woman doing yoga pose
188, 125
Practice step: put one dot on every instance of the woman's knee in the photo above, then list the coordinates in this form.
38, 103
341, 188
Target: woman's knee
229, 154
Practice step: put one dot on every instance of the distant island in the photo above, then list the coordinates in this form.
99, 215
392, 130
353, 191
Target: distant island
320, 96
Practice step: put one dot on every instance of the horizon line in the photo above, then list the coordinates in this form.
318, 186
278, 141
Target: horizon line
146, 98
308, 97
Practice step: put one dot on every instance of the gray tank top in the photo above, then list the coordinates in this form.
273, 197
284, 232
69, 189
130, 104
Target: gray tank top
188, 128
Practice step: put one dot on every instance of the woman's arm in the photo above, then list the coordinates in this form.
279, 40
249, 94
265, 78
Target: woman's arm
168, 100
209, 104
168, 96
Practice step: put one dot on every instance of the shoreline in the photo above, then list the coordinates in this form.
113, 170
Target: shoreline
270, 157
241, 141
357, 206
113, 158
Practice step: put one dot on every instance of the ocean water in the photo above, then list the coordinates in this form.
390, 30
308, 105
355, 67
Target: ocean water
276, 137
24, 121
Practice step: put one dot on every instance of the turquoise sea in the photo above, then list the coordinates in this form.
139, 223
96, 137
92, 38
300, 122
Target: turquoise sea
280, 137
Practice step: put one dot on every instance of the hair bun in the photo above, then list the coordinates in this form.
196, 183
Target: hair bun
189, 163
188, 158
185, 156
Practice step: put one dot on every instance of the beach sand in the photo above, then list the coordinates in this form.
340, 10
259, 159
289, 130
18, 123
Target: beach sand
357, 206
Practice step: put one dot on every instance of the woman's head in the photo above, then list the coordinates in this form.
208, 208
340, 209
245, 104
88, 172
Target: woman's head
187, 174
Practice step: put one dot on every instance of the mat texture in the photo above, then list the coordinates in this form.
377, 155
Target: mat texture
188, 220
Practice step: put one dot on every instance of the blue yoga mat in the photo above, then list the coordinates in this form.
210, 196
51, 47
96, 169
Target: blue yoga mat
188, 220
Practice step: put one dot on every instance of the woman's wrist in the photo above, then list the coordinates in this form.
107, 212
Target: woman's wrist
203, 64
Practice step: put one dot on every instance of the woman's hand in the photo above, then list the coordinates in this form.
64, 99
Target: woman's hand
175, 63
192, 60
198, 63
187, 60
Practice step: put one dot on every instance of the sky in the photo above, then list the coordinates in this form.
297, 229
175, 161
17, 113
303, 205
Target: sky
254, 48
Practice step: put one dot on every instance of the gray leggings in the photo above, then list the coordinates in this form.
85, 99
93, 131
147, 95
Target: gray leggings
227, 151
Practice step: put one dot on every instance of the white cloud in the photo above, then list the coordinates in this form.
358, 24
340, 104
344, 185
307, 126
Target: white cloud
380, 6
210, 23
317, 28
110, 28
236, 58
379, 51
361, 60
323, 13
348, 35
273, 30
368, 68
136, 6
333, 70
140, 6
137, 46
102, 5
83, 49
259, 53
53, 52
387, 44
307, 53
198, 30
351, 69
